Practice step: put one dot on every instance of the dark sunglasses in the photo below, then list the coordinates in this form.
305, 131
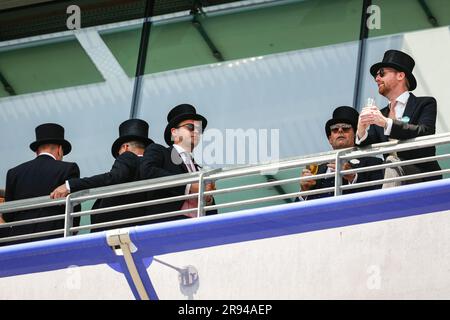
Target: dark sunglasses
344, 127
191, 127
382, 72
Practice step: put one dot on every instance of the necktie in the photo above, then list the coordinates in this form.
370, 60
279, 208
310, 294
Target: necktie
191, 163
392, 114
193, 202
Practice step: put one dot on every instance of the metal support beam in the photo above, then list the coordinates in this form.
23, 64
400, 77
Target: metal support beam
7, 86
363, 35
196, 12
431, 18
121, 239
142, 58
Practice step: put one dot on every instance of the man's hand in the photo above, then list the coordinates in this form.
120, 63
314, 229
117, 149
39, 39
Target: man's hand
348, 177
345, 166
60, 192
208, 187
1, 219
365, 119
368, 116
305, 185
379, 119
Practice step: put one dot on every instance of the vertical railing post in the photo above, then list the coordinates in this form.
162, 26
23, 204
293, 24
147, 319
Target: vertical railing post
201, 190
337, 175
68, 222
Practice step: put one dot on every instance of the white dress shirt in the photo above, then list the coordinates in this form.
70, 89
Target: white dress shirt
187, 158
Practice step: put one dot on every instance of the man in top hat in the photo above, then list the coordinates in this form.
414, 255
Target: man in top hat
182, 135
340, 131
128, 150
39, 177
405, 117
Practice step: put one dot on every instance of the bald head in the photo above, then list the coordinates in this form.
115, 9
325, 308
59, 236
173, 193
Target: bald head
54, 149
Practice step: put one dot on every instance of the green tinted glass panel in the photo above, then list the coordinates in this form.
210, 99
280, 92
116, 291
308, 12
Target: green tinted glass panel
250, 33
86, 220
46, 67
406, 15
257, 193
445, 164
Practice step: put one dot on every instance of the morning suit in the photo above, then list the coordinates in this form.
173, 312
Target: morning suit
158, 162
35, 178
419, 119
125, 169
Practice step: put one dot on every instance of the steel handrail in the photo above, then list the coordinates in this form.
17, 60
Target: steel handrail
203, 177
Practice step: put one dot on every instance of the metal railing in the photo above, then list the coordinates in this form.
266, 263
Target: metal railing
203, 177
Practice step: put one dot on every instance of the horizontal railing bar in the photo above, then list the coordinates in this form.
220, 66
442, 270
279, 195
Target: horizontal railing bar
395, 179
134, 205
32, 235
262, 185
31, 221
133, 187
281, 165
136, 219
394, 164
396, 146
29, 204
269, 198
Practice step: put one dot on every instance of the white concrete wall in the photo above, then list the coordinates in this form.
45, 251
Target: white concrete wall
89, 282
406, 258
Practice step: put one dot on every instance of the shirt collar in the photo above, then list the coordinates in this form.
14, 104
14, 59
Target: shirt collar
403, 98
180, 150
46, 154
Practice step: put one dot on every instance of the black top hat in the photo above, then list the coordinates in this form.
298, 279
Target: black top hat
178, 114
343, 114
131, 130
399, 61
50, 133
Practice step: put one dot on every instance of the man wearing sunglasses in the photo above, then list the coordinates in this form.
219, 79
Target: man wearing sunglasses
182, 135
340, 131
406, 115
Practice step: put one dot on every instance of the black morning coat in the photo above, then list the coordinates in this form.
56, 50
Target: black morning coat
160, 161
35, 178
419, 119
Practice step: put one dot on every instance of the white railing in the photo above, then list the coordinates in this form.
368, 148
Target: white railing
203, 177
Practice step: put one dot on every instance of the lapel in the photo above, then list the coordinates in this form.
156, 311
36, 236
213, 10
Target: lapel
410, 106
385, 111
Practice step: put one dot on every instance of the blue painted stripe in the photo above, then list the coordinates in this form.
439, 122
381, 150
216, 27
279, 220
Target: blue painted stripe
46, 255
